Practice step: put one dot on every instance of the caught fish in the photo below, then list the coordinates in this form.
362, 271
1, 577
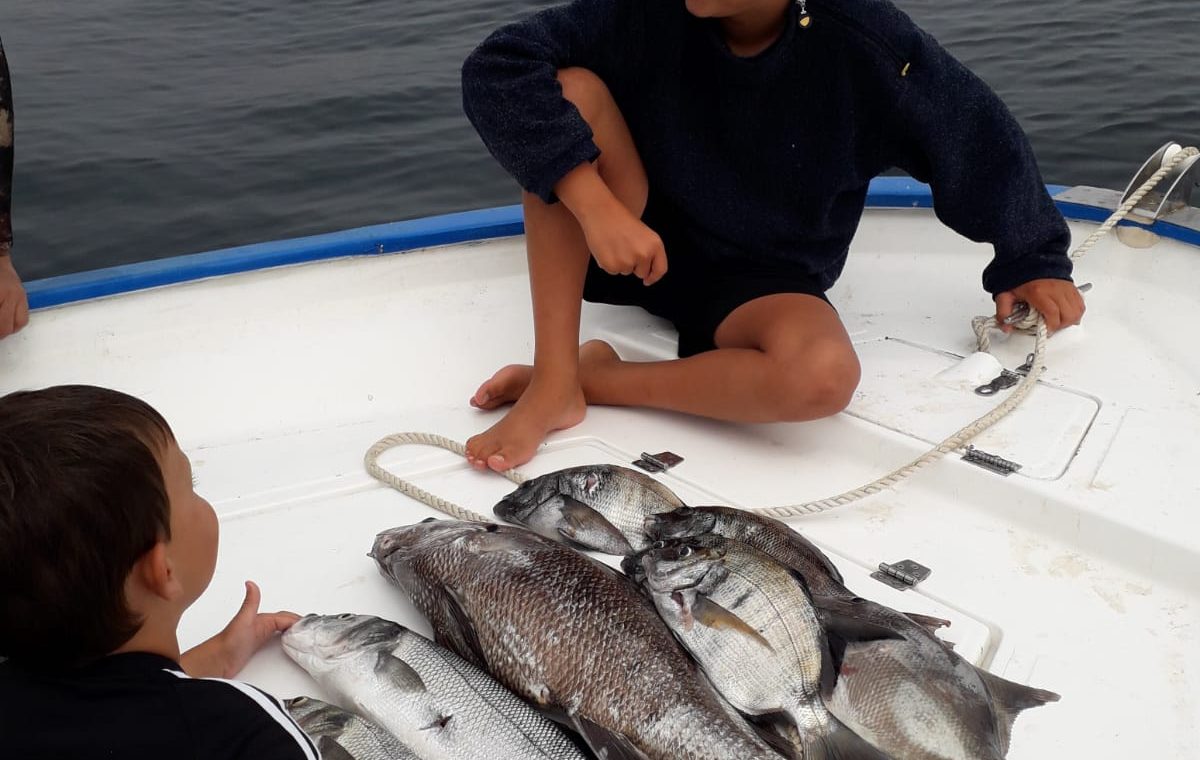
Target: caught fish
567, 633
341, 735
766, 534
598, 507
440, 706
751, 625
913, 697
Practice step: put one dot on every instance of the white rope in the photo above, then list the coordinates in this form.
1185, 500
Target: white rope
1033, 322
371, 460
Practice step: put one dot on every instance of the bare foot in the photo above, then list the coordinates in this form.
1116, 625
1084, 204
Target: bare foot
513, 440
541, 408
507, 385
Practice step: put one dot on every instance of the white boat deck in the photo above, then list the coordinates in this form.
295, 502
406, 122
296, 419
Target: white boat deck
1078, 574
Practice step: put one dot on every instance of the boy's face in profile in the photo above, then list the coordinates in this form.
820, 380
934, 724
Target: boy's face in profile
194, 531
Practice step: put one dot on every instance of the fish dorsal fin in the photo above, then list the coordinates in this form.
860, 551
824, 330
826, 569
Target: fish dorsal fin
398, 672
606, 743
590, 529
841, 618
928, 622
331, 750
709, 614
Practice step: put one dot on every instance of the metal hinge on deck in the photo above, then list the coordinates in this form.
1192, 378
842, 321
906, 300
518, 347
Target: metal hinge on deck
902, 575
658, 462
992, 462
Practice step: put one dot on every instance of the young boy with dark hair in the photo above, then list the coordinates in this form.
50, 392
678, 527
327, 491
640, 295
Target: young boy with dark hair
103, 545
736, 139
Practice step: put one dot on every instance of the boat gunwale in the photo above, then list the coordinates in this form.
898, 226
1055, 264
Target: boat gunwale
425, 232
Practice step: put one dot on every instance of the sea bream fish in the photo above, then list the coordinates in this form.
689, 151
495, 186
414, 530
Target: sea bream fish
566, 633
766, 534
973, 710
598, 507
751, 625
342, 735
434, 702
913, 697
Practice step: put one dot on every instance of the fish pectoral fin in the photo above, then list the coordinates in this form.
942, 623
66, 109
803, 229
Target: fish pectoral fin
606, 743
589, 528
398, 672
457, 633
709, 614
331, 750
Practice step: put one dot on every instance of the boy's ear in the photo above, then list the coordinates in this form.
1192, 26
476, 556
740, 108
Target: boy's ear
156, 574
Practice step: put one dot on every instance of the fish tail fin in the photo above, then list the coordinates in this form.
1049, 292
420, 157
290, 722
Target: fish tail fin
1009, 699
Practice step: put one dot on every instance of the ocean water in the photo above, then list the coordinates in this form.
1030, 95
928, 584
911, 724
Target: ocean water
151, 128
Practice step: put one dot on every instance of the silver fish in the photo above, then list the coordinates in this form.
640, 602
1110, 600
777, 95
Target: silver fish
912, 696
751, 625
430, 699
342, 735
766, 534
599, 507
567, 633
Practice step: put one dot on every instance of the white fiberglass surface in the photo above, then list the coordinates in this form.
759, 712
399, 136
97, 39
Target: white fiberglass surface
1076, 575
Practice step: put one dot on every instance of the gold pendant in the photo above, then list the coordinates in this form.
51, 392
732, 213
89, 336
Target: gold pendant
805, 21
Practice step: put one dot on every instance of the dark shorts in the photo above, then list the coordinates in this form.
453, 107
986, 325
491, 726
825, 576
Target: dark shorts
698, 292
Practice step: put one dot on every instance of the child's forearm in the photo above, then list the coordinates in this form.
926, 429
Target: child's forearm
584, 192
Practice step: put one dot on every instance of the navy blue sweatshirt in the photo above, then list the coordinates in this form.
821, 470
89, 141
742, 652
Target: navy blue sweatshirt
771, 156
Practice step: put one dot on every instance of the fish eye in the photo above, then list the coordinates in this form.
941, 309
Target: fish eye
492, 528
685, 552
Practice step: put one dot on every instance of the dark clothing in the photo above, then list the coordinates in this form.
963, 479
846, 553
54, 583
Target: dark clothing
697, 293
6, 155
137, 705
768, 159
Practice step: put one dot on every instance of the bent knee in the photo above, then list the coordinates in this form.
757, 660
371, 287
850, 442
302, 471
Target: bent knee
586, 90
818, 384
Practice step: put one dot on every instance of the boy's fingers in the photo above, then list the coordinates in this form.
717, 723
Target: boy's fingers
1004, 306
283, 620
642, 270
658, 267
251, 602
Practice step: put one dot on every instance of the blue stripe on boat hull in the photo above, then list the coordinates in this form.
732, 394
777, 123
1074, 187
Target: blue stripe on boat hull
504, 221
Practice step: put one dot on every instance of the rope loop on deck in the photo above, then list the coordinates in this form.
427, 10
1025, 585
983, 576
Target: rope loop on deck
371, 460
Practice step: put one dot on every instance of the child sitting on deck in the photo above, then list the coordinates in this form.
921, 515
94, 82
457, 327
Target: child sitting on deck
735, 139
103, 545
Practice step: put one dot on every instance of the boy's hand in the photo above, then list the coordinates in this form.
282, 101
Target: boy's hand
622, 244
225, 654
14, 306
1059, 301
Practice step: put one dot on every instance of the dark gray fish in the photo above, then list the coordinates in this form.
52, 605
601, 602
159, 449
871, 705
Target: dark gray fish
598, 507
566, 633
342, 735
751, 625
433, 701
912, 696
763, 533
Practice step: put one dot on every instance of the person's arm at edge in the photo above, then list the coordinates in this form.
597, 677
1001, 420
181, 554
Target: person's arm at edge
14, 305
957, 135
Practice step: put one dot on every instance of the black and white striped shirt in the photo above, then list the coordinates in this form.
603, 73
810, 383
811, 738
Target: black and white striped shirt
140, 705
